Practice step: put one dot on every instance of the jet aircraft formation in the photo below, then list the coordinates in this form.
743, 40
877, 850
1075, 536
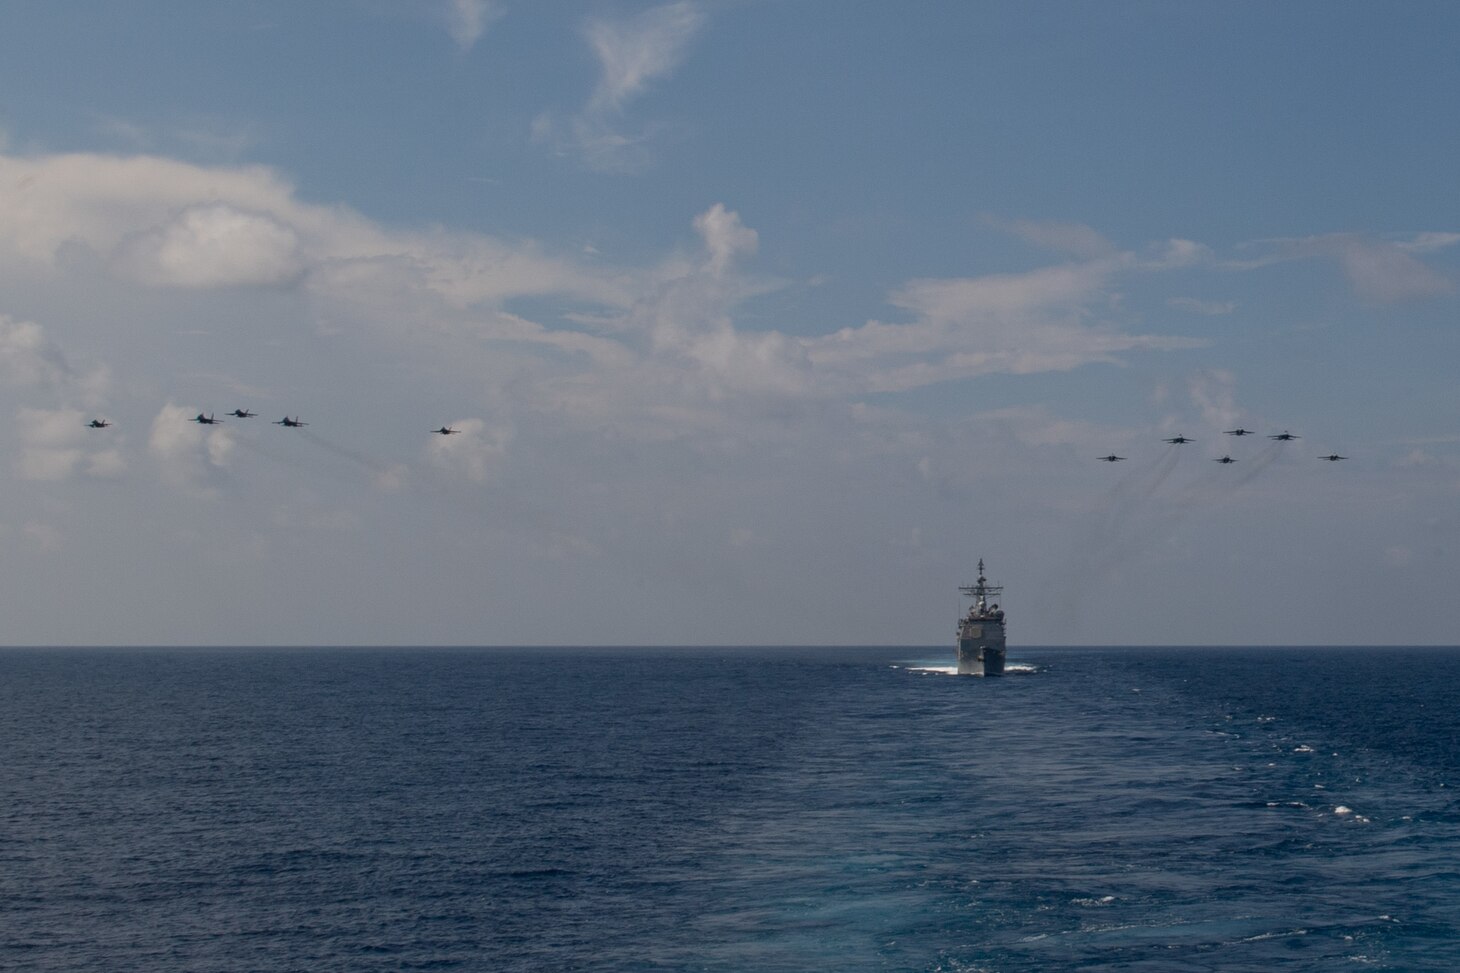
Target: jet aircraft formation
1179, 440
209, 419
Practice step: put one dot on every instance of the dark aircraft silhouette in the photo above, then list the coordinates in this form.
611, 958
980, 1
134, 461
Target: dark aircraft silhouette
291, 423
1178, 440
1239, 431
446, 431
1224, 459
1112, 458
207, 420
98, 423
243, 413
1333, 457
1284, 436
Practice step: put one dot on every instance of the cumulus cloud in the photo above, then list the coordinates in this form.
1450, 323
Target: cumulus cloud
659, 346
99, 201
27, 356
54, 446
33, 365
51, 439
105, 464
725, 237
189, 456
1214, 392
171, 224
694, 357
475, 452
213, 245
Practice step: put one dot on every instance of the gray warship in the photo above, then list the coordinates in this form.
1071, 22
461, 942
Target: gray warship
981, 630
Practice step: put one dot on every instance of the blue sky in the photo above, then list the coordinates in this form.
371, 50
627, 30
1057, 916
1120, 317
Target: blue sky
762, 321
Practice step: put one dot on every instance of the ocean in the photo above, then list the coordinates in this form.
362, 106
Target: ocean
755, 810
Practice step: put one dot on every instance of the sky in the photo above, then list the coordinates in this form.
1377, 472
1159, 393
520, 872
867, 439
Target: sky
759, 321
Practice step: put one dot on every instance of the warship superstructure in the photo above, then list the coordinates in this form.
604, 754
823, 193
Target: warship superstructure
981, 630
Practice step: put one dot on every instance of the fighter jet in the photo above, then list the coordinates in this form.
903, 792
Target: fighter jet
1239, 431
1112, 458
1333, 457
1178, 440
1224, 460
98, 424
446, 431
291, 423
207, 420
243, 413
1284, 436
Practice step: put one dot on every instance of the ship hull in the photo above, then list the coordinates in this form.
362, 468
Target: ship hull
982, 656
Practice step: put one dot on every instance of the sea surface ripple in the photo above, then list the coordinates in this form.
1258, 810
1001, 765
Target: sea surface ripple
729, 810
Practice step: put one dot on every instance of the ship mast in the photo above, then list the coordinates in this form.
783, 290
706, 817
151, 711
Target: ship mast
980, 590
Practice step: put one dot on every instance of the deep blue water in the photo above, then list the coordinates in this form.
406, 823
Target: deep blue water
729, 810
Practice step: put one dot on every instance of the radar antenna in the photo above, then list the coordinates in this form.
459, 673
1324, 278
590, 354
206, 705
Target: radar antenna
981, 590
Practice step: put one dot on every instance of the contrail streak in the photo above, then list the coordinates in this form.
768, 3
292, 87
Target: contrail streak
364, 460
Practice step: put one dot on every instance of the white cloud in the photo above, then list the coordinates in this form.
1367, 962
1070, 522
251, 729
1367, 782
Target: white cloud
55, 444
392, 479
1174, 254
27, 356
1379, 271
725, 237
468, 20
632, 54
52, 427
655, 348
105, 464
1011, 323
213, 245
1197, 306
54, 447
47, 463
30, 360
171, 224
98, 201
1429, 242
1039, 426
189, 455
1387, 273
475, 452
1214, 392
1075, 239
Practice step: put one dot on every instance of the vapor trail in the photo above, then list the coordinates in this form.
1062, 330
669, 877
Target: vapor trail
364, 460
1125, 522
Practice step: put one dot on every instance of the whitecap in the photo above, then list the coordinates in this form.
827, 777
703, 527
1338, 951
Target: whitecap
934, 670
1103, 900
